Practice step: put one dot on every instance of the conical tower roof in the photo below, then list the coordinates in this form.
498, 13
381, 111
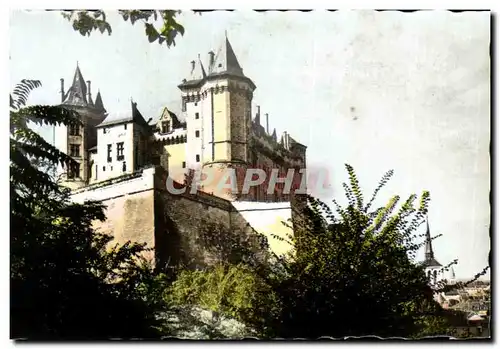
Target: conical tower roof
225, 61
77, 93
98, 102
197, 70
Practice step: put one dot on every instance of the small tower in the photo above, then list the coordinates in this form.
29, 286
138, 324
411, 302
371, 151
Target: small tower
432, 266
78, 141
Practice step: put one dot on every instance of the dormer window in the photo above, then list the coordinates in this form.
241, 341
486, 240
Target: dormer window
165, 126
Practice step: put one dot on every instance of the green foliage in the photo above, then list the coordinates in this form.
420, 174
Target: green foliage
85, 22
67, 281
233, 290
353, 272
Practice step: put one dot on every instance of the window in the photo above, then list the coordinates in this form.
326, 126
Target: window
104, 169
184, 164
74, 150
125, 126
119, 151
105, 130
197, 115
74, 171
197, 134
124, 167
96, 171
165, 126
220, 65
109, 152
195, 104
197, 158
74, 130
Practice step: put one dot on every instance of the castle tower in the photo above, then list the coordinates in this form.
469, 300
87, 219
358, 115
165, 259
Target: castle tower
78, 140
432, 266
217, 106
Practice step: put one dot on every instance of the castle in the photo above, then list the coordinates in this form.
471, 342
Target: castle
124, 159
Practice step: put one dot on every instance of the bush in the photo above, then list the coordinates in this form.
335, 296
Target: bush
231, 290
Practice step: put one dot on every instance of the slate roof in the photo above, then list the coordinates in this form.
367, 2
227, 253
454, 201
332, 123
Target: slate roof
133, 115
77, 93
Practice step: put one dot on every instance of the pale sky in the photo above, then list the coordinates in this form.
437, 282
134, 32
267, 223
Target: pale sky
377, 90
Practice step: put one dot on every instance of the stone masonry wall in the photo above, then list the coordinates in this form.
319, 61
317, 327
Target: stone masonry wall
140, 209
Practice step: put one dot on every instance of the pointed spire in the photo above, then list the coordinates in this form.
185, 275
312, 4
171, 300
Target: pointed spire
275, 137
197, 70
77, 92
99, 105
429, 261
429, 253
226, 61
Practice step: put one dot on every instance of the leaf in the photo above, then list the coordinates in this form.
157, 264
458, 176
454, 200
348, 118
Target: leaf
151, 32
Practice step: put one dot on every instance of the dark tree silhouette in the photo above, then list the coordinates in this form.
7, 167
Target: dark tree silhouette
67, 281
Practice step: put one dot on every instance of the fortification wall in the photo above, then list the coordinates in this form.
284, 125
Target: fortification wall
268, 219
140, 209
129, 202
180, 220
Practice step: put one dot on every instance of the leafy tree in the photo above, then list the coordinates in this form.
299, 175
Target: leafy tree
67, 280
85, 22
353, 272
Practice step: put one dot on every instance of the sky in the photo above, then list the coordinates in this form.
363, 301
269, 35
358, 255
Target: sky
376, 90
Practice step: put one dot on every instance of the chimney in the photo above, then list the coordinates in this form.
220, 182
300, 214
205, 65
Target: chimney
211, 56
89, 93
267, 123
62, 90
257, 116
